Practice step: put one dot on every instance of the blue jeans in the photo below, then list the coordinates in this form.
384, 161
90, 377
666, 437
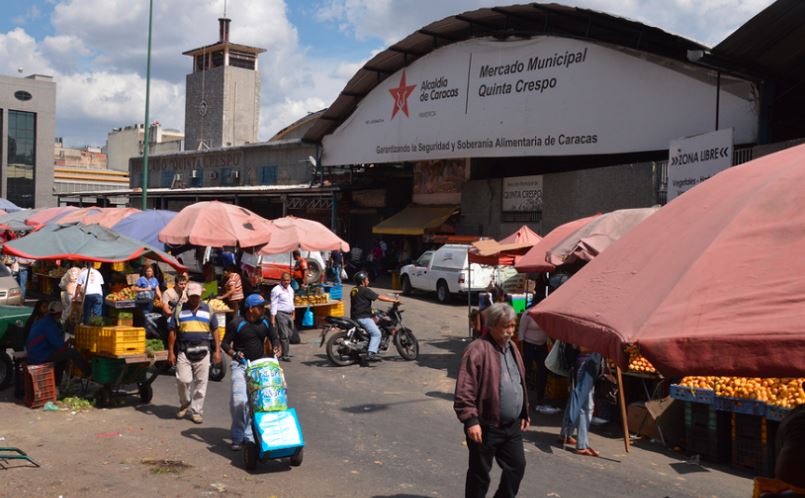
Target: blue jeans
239, 405
374, 333
579, 410
93, 306
22, 279
337, 271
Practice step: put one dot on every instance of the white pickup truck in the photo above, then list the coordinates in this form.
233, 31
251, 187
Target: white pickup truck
445, 271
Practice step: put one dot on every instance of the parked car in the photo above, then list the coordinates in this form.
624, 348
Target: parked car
274, 265
445, 271
10, 292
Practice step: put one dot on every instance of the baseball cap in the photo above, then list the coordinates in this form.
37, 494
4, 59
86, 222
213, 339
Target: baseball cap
194, 289
254, 300
55, 307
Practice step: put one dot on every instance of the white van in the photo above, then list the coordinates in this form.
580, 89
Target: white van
446, 272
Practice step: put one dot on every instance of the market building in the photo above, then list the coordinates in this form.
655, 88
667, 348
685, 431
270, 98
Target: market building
543, 113
27, 128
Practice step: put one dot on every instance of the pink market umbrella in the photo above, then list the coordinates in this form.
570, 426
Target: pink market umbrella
48, 215
109, 217
536, 259
709, 285
79, 215
299, 233
523, 235
596, 236
217, 224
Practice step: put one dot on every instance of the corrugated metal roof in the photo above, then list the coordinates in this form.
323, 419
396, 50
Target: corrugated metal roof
525, 20
771, 43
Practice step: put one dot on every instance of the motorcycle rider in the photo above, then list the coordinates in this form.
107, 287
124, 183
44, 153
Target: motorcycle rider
361, 311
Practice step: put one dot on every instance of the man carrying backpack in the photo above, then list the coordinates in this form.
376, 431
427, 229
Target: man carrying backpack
247, 338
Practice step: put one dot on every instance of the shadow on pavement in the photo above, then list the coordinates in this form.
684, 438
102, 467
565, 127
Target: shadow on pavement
165, 412
400, 496
378, 407
440, 395
448, 363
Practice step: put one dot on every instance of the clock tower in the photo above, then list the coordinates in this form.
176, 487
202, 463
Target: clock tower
222, 101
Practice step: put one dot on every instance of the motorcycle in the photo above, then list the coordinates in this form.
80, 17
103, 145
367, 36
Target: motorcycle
351, 341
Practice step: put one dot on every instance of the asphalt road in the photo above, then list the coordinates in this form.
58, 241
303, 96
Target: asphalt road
387, 430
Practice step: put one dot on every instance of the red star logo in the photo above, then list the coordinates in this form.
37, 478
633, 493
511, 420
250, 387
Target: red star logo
401, 94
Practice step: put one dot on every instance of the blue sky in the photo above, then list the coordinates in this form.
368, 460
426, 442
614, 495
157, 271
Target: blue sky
95, 49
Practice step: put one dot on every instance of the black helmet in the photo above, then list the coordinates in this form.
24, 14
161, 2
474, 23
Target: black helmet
359, 277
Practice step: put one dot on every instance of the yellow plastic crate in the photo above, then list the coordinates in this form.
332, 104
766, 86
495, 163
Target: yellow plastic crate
86, 338
122, 340
337, 310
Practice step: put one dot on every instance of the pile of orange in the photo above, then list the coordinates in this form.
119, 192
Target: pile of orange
636, 361
785, 392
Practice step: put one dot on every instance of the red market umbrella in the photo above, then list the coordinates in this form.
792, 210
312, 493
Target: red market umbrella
523, 235
292, 233
217, 224
77, 216
109, 217
48, 215
596, 236
494, 253
709, 285
535, 260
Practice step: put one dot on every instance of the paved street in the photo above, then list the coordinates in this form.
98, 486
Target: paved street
382, 431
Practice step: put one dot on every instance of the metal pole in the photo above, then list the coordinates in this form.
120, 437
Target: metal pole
469, 291
718, 96
146, 137
622, 403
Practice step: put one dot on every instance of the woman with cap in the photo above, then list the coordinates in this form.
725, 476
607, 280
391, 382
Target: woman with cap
248, 337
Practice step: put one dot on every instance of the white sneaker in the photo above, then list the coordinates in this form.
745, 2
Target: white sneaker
598, 421
546, 409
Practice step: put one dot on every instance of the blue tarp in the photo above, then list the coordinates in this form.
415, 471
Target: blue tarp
145, 226
8, 206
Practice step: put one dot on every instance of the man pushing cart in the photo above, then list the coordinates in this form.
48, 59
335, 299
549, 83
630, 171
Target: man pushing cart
263, 426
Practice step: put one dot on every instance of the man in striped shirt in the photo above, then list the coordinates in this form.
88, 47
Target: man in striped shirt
188, 348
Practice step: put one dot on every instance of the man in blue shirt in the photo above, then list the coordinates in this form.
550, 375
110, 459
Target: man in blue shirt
46, 344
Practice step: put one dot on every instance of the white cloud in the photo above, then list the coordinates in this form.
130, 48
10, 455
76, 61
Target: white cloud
708, 21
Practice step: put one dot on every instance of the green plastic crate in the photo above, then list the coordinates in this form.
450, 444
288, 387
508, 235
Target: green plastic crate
108, 371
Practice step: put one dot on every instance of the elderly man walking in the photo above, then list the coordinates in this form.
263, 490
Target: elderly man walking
191, 334
492, 403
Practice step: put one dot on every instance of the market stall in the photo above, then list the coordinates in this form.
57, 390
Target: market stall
700, 290
218, 225
117, 353
292, 233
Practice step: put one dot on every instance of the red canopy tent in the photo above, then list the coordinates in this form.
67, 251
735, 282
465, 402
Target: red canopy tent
523, 235
709, 285
535, 260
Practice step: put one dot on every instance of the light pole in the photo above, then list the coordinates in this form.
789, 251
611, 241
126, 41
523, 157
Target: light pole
146, 137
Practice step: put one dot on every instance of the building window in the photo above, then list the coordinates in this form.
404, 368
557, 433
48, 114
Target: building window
268, 175
21, 158
167, 179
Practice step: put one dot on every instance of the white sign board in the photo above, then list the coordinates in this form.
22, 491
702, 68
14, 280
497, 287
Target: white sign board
693, 160
547, 96
522, 194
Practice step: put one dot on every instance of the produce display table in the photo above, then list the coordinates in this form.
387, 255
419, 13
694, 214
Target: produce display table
115, 372
47, 283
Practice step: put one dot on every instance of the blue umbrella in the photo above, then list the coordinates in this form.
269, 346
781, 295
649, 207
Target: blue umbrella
8, 206
145, 226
